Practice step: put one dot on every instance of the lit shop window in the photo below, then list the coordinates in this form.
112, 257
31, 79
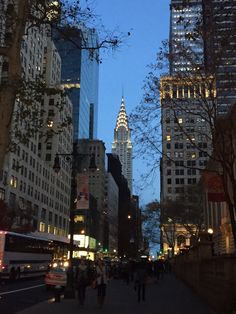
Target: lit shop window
50, 229
42, 227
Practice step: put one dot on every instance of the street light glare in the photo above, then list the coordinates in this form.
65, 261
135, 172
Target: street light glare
210, 231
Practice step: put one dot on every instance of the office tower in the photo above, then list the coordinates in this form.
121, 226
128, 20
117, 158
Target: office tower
184, 129
122, 145
124, 205
93, 151
111, 208
185, 137
183, 123
80, 78
186, 47
220, 46
29, 185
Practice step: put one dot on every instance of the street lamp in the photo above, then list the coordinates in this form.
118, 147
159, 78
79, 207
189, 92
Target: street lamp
74, 159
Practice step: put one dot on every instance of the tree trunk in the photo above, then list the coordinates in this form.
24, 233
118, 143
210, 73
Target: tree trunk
9, 90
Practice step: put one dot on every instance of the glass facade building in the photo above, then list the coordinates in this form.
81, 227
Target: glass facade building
80, 78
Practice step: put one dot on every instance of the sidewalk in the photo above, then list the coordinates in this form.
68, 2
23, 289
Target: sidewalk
169, 296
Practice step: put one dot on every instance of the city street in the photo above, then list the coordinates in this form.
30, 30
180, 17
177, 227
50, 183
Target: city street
22, 294
169, 296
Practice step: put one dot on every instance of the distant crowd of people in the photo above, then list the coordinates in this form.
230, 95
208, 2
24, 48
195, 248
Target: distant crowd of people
96, 275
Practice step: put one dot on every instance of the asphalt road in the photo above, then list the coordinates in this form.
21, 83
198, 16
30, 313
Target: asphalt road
17, 296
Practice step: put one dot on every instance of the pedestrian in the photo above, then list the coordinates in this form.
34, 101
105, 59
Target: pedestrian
161, 267
101, 282
156, 271
140, 280
82, 280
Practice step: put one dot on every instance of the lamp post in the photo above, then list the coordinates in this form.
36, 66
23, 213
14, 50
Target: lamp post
74, 159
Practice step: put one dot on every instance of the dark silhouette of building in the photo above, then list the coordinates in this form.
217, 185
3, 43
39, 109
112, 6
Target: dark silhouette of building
124, 227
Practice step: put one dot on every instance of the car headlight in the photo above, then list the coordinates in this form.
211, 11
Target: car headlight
66, 264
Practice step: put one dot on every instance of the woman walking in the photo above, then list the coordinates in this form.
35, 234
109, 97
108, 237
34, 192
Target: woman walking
82, 280
101, 282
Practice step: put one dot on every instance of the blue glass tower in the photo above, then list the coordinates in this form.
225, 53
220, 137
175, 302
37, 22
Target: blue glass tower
80, 78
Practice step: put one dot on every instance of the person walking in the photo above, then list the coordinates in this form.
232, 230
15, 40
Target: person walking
101, 282
82, 280
140, 280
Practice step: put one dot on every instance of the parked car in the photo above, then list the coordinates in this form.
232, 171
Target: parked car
56, 277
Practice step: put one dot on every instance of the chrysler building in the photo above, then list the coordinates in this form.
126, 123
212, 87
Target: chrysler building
122, 146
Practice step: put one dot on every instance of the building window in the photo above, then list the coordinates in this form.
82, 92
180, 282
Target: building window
202, 154
49, 145
191, 172
51, 102
179, 163
48, 157
42, 227
192, 181
179, 181
179, 145
43, 213
179, 172
2, 194
13, 182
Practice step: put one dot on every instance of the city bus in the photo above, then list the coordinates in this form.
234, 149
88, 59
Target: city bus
24, 255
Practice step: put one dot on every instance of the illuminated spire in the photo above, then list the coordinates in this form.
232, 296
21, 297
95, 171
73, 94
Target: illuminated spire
122, 145
122, 119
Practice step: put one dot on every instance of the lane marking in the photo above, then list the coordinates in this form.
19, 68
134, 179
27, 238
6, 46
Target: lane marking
23, 289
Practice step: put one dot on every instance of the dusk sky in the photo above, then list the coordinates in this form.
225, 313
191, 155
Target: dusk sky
125, 69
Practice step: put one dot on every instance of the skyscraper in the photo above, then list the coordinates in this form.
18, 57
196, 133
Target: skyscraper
220, 46
182, 123
122, 145
28, 183
80, 78
186, 46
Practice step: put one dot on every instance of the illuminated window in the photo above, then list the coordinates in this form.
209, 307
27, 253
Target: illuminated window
12, 181
193, 155
50, 229
50, 123
168, 138
180, 120
79, 218
42, 227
